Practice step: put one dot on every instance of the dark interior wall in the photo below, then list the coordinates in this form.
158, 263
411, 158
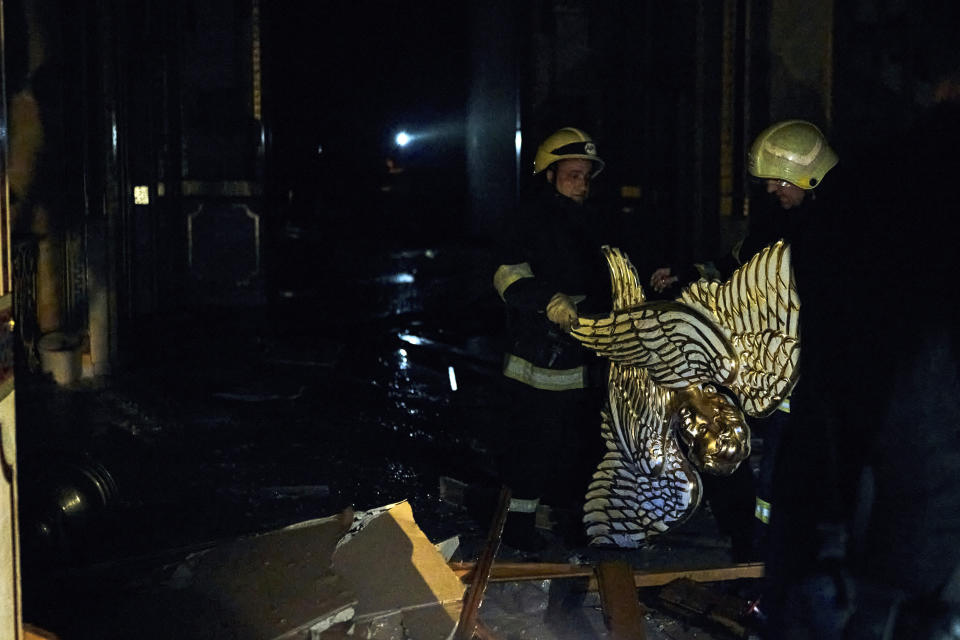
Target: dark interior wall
643, 79
345, 78
150, 93
221, 134
664, 116
145, 33
800, 45
46, 73
493, 115
889, 58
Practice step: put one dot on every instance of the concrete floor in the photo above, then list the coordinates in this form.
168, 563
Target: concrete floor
235, 421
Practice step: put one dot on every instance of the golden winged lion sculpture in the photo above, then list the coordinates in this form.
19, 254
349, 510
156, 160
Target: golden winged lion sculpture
682, 375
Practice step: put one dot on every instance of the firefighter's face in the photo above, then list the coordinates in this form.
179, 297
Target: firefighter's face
571, 178
789, 195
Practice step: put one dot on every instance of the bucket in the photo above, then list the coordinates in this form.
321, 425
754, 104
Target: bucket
60, 357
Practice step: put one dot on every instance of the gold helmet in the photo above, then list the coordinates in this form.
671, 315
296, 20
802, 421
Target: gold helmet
791, 150
565, 144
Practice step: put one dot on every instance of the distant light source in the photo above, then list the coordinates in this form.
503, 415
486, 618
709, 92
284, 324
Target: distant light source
518, 140
402, 139
141, 194
397, 278
453, 378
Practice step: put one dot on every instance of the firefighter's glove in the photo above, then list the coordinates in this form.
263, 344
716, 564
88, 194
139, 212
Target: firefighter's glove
562, 311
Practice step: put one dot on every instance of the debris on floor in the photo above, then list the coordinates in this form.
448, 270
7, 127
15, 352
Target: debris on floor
371, 574
401, 580
207, 474
709, 607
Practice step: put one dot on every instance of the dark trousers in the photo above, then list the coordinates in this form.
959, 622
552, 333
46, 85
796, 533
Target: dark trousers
552, 444
733, 498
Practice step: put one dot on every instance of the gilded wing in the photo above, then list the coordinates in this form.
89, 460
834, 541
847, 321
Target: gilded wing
644, 485
627, 291
677, 344
758, 311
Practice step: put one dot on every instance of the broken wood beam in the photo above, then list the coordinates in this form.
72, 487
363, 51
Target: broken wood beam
31, 632
622, 610
483, 632
521, 571
480, 575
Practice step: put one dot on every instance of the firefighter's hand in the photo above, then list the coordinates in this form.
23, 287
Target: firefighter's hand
661, 279
562, 311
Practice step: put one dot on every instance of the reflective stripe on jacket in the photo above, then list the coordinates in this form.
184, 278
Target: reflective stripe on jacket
516, 368
507, 274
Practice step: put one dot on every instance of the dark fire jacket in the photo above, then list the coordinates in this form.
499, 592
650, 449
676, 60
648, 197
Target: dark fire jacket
552, 246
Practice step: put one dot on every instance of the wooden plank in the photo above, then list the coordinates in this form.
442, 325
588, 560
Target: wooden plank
521, 571
31, 632
483, 632
467, 625
622, 610
714, 574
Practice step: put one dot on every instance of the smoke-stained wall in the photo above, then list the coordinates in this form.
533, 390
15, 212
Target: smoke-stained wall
492, 115
642, 78
891, 56
801, 61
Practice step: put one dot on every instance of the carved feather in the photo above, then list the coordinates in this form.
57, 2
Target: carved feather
758, 311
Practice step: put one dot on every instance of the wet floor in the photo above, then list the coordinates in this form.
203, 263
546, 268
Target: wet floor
363, 390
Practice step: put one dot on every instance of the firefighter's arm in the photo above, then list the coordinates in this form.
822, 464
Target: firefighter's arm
509, 274
518, 287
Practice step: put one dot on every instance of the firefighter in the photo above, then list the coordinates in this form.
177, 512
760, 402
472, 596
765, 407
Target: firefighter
793, 163
551, 270
790, 160
805, 486
864, 524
